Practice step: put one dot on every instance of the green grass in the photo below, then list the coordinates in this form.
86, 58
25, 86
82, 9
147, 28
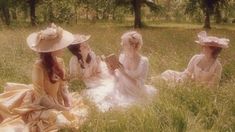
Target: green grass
169, 46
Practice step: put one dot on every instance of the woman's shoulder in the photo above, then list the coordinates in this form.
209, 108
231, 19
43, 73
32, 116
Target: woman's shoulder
144, 62
218, 64
144, 59
38, 62
73, 60
38, 65
196, 57
121, 57
59, 60
92, 53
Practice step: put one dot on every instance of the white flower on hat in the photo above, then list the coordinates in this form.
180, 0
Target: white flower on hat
51, 39
49, 33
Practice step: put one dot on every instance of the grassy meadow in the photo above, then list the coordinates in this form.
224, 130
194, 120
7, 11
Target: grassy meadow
181, 108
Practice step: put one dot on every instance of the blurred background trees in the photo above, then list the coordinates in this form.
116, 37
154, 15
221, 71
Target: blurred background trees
138, 11
208, 8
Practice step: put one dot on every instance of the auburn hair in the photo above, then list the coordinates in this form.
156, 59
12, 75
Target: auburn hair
52, 67
216, 51
75, 50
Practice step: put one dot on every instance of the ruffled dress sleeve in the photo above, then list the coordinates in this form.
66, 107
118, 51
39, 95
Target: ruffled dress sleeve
74, 68
188, 72
216, 75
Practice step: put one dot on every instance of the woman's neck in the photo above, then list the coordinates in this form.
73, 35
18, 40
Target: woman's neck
208, 58
206, 62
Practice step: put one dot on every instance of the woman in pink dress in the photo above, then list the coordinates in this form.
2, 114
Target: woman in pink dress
204, 68
46, 105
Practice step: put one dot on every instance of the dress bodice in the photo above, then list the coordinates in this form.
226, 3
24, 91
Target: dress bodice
141, 71
41, 82
212, 75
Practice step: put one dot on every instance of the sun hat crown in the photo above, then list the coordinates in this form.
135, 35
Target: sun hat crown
50, 39
49, 33
205, 40
80, 38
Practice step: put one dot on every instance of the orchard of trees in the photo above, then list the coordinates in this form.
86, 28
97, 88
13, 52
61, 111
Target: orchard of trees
73, 11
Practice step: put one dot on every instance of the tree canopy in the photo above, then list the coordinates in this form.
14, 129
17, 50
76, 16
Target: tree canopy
72, 11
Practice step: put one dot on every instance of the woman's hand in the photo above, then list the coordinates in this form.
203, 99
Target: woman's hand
61, 108
66, 96
46, 102
67, 101
121, 68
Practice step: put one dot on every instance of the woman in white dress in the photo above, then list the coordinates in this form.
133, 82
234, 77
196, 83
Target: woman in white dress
131, 73
205, 67
83, 64
120, 85
86, 66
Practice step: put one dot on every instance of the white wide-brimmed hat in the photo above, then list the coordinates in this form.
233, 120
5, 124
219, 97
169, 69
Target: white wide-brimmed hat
205, 40
51, 39
79, 38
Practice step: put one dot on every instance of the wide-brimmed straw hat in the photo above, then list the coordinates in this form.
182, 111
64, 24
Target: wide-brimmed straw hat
79, 38
205, 40
51, 39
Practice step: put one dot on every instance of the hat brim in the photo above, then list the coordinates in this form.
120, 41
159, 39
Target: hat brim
86, 38
213, 44
50, 45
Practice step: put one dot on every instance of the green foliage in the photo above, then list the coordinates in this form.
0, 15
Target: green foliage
195, 6
17, 12
57, 11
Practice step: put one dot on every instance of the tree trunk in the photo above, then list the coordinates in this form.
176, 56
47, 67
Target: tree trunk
6, 15
76, 13
50, 13
13, 13
32, 4
207, 20
168, 9
218, 16
87, 10
137, 10
114, 13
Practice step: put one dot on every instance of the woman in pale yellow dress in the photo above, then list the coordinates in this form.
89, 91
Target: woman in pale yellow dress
204, 68
46, 105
